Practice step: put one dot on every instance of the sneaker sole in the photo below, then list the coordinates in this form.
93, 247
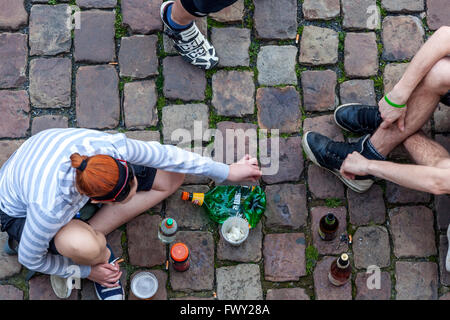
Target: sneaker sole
60, 288
340, 107
360, 186
98, 296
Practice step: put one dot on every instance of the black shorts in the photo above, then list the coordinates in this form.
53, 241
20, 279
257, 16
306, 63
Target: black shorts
201, 8
446, 99
14, 226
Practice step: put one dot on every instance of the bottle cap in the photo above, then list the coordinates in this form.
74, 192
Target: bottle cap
344, 257
179, 252
185, 195
169, 223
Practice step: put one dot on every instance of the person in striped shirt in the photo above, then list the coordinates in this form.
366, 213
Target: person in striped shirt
56, 172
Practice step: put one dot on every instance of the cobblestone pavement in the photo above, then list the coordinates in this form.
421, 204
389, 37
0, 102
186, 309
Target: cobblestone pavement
120, 73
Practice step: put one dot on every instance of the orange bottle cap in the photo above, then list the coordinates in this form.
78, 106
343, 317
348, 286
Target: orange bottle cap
185, 195
179, 252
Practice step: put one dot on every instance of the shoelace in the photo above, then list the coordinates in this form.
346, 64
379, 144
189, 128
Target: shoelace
369, 118
340, 150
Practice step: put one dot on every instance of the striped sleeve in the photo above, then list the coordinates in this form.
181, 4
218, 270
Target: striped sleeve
40, 227
171, 158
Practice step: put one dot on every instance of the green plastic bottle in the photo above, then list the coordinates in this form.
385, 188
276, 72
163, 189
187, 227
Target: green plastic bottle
223, 202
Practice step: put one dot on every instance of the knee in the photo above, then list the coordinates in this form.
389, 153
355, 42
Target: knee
80, 242
438, 78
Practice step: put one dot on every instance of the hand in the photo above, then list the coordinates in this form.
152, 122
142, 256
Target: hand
105, 274
354, 165
246, 169
392, 114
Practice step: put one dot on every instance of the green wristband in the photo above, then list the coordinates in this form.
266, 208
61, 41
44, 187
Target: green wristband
394, 104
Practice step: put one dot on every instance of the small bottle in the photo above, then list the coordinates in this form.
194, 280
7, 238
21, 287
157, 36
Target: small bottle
328, 227
179, 253
340, 270
167, 230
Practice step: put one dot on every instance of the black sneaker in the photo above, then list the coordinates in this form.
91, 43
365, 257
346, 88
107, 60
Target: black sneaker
191, 44
358, 118
330, 155
104, 293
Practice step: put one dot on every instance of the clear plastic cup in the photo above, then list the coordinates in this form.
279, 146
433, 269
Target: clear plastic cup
144, 285
231, 226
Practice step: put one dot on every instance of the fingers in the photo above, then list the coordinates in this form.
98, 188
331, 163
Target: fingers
111, 267
385, 124
401, 123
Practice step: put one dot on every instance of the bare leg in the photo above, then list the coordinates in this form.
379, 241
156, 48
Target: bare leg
421, 106
426, 151
80, 242
112, 216
180, 15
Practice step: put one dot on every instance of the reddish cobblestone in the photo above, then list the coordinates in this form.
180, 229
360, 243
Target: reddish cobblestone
323, 288
284, 257
334, 246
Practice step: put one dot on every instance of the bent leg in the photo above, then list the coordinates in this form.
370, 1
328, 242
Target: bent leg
421, 106
80, 242
112, 216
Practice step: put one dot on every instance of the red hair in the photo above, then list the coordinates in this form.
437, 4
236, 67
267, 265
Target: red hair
98, 178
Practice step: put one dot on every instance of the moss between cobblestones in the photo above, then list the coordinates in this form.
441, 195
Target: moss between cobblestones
121, 31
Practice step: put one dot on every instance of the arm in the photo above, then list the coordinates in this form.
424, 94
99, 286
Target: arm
436, 48
417, 177
171, 158
33, 253
422, 178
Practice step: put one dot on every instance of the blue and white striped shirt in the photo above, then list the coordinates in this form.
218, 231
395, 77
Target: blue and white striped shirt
38, 182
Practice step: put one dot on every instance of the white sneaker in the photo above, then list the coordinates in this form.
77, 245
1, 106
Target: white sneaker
191, 44
60, 286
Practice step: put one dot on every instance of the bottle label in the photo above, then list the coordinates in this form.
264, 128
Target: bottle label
198, 198
237, 201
